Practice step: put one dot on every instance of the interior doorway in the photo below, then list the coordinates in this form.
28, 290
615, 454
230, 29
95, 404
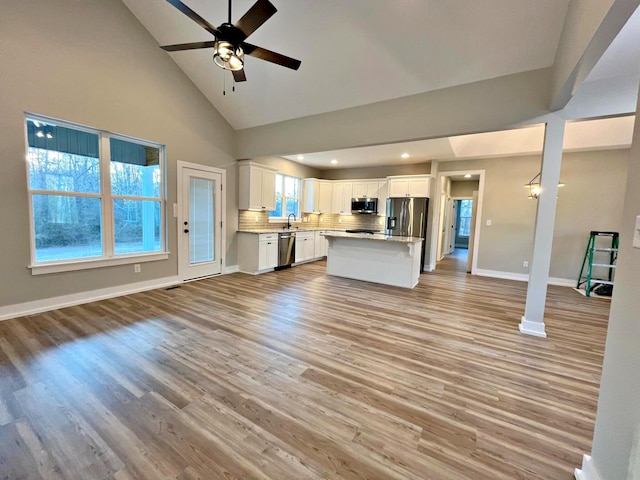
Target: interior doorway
458, 215
463, 209
200, 211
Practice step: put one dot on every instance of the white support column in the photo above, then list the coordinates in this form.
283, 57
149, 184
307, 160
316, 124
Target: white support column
533, 320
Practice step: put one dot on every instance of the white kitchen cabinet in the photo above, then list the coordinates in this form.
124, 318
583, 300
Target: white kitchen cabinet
317, 196
257, 253
305, 246
257, 187
365, 189
267, 251
383, 194
409, 186
342, 194
320, 245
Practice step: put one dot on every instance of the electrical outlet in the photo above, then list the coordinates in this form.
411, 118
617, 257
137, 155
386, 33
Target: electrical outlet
525, 264
488, 223
339, 220
136, 268
321, 219
256, 218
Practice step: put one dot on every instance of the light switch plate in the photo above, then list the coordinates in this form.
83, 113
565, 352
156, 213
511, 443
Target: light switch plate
636, 233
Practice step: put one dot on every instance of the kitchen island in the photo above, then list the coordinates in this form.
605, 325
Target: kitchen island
374, 258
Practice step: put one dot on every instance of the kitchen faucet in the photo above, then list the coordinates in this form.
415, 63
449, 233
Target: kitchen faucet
289, 221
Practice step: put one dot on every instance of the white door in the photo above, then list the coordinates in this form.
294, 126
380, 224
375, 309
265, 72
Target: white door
200, 223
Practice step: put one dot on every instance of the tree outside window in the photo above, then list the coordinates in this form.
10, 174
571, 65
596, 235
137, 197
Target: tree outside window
288, 193
464, 221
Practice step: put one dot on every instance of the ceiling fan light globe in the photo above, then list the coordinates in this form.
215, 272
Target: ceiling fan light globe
228, 57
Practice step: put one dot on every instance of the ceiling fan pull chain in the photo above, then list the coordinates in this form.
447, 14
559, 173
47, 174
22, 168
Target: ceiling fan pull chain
229, 11
224, 84
233, 88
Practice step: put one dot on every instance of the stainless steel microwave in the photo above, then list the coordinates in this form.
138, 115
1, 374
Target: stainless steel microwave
364, 205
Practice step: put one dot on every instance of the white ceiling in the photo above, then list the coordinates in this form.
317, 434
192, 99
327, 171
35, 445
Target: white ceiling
598, 134
356, 52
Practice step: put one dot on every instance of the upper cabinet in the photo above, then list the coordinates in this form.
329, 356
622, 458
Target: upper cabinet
257, 187
317, 196
342, 194
410, 186
366, 189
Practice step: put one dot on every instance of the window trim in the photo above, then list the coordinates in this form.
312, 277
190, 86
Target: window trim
109, 257
300, 196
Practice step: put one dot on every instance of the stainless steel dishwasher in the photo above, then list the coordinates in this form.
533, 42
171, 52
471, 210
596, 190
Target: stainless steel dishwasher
286, 249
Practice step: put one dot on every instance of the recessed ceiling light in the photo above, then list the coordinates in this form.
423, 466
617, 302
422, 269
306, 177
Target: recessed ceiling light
300, 157
405, 155
468, 175
334, 161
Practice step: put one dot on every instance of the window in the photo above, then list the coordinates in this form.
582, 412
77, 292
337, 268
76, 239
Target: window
288, 190
464, 221
94, 195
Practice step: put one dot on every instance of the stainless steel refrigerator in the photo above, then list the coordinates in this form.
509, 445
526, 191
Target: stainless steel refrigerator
407, 217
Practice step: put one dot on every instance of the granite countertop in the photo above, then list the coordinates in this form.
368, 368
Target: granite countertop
376, 237
285, 230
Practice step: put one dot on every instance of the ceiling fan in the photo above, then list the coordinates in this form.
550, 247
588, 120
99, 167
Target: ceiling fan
229, 45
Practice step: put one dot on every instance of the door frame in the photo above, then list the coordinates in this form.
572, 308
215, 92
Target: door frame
478, 217
177, 212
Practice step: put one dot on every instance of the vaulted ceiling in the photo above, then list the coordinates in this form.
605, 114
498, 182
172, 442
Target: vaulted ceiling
360, 52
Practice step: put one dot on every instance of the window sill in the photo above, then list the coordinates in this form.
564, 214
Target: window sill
45, 268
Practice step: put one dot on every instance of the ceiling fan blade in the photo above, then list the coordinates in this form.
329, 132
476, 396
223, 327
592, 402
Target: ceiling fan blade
269, 56
194, 16
261, 11
188, 46
239, 76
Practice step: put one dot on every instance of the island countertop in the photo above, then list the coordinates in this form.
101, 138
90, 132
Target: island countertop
374, 258
380, 237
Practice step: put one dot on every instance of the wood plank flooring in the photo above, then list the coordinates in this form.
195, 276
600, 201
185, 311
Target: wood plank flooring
297, 375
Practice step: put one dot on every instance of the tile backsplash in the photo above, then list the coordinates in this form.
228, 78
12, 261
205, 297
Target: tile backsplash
249, 220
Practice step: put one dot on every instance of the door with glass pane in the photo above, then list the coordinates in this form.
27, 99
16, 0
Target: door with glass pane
200, 224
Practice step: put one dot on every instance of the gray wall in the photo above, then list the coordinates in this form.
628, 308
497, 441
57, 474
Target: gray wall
289, 167
91, 62
591, 200
464, 188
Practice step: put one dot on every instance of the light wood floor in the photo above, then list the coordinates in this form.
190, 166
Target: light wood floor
296, 375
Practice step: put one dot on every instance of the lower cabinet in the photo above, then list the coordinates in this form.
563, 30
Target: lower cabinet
305, 248
267, 251
257, 252
320, 245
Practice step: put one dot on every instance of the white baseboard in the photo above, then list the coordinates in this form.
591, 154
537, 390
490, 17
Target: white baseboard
47, 304
532, 328
522, 277
588, 471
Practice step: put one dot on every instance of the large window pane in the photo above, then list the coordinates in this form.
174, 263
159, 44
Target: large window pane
66, 227
63, 172
292, 206
287, 196
201, 220
135, 169
137, 226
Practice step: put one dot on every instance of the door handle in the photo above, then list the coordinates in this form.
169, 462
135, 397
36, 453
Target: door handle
186, 230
